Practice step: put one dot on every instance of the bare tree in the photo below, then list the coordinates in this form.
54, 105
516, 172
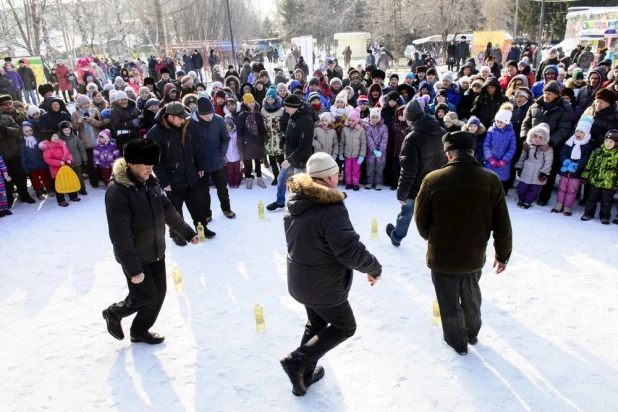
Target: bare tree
29, 21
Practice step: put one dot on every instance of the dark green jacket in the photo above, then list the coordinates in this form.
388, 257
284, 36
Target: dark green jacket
456, 210
602, 168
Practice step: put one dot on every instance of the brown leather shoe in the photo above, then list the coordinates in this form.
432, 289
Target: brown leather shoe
229, 214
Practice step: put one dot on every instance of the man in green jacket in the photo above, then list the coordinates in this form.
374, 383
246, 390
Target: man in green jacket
457, 208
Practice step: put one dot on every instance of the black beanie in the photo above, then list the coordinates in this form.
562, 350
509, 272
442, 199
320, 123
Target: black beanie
511, 63
47, 134
293, 101
413, 111
432, 71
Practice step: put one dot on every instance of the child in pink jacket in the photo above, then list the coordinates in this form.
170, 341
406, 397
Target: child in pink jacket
56, 154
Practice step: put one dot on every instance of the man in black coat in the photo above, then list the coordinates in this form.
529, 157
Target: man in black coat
421, 152
463, 51
457, 209
177, 170
208, 130
29, 78
137, 212
552, 109
198, 63
323, 251
298, 144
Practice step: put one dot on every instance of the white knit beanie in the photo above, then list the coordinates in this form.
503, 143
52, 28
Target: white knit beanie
504, 116
121, 95
322, 165
376, 111
32, 110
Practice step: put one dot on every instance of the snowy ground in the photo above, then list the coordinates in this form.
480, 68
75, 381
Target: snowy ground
548, 341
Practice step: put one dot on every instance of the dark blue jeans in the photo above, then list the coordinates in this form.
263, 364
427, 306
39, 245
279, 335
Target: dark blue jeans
403, 221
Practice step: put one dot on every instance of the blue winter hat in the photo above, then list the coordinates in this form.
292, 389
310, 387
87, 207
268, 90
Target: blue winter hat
474, 120
294, 84
272, 92
106, 114
410, 76
180, 73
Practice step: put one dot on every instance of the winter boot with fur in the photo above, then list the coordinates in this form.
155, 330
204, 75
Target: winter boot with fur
260, 182
295, 370
249, 183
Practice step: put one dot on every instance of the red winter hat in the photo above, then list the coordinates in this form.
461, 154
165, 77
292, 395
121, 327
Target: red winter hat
362, 99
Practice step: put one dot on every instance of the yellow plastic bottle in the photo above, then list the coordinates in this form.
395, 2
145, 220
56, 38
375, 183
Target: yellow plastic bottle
260, 325
436, 312
177, 279
374, 228
200, 232
260, 210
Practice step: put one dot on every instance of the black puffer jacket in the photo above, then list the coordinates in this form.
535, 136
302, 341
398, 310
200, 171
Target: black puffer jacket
137, 213
179, 153
422, 152
122, 119
486, 106
587, 93
604, 120
299, 137
323, 248
51, 120
10, 134
558, 115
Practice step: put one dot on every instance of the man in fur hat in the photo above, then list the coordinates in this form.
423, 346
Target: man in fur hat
137, 212
323, 251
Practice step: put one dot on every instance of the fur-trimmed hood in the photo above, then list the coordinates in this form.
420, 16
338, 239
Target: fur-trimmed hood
542, 129
230, 79
481, 130
305, 193
120, 175
569, 84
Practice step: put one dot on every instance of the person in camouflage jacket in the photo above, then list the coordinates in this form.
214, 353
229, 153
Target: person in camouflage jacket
602, 174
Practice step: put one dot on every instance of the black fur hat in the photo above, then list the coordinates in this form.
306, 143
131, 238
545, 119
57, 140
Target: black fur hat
142, 151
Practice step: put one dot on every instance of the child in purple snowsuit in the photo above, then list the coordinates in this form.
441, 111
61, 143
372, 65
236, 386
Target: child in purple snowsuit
377, 140
499, 145
104, 155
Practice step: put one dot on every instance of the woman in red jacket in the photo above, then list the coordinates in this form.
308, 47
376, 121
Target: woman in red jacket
64, 74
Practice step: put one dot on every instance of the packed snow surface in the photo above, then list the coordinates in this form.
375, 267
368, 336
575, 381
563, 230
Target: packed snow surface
548, 341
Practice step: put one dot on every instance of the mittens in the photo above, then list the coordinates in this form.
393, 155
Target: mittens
69, 162
573, 167
377, 153
334, 156
7, 177
566, 163
361, 159
341, 158
493, 162
502, 163
137, 122
564, 169
542, 177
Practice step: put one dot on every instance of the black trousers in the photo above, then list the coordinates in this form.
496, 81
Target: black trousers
18, 178
605, 196
145, 298
275, 163
94, 174
219, 177
326, 328
545, 193
64, 95
249, 168
191, 196
60, 196
459, 299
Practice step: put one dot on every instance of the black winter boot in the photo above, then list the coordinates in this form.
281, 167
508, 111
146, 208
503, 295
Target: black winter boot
295, 369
